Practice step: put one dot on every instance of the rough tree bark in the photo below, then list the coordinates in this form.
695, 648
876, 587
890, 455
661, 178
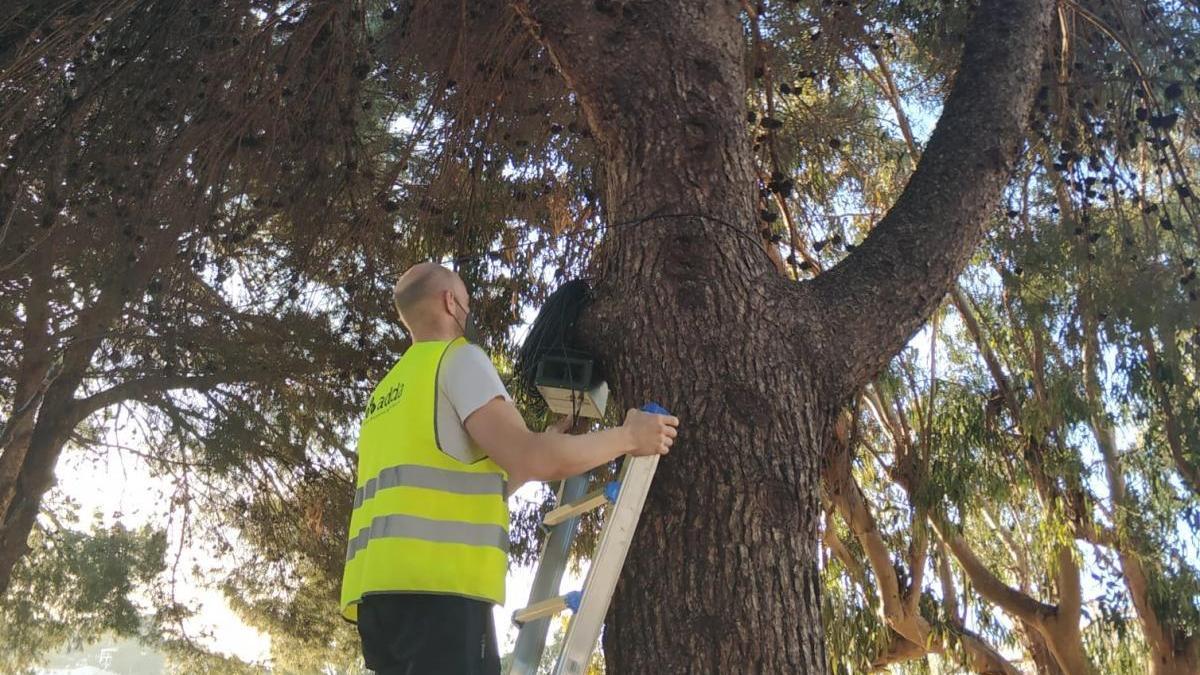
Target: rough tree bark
722, 575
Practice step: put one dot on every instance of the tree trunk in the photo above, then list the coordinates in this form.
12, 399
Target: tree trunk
727, 542
689, 311
36, 477
1185, 660
1173, 651
32, 379
29, 455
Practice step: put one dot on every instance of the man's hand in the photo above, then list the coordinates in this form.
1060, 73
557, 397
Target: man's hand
650, 434
500, 431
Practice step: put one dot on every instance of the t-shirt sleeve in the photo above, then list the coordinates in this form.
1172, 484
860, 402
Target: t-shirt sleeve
469, 380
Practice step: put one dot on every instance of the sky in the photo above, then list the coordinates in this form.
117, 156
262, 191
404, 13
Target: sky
119, 488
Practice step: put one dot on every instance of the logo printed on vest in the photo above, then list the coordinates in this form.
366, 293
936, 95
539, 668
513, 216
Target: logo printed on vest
384, 400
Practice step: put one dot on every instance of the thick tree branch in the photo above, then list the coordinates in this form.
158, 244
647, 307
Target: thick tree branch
918, 553
1070, 593
33, 377
984, 658
56, 413
1139, 587
851, 504
911, 634
838, 548
1058, 625
141, 387
989, 585
1163, 639
875, 299
946, 578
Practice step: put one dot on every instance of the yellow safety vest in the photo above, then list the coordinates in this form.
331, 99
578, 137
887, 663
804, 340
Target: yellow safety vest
423, 521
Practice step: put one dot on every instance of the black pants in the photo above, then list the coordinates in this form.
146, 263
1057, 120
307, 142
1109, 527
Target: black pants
424, 634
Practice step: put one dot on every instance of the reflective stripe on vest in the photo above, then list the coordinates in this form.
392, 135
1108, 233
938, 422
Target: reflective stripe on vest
413, 475
423, 521
430, 530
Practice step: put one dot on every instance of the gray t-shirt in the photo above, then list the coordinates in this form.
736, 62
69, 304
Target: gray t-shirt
467, 380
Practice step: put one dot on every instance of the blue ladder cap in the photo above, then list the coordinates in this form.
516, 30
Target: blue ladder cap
612, 490
655, 408
572, 600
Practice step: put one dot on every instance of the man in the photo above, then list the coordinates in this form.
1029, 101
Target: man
440, 450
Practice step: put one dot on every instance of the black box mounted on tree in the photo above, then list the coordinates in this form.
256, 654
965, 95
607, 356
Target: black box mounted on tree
552, 363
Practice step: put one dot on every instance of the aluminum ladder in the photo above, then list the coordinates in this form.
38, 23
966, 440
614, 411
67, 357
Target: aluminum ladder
627, 495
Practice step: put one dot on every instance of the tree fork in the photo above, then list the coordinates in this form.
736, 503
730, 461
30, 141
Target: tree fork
722, 576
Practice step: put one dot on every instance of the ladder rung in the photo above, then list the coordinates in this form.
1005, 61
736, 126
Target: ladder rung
592, 500
548, 607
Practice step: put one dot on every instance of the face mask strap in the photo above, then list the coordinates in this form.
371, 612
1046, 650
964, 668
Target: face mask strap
468, 328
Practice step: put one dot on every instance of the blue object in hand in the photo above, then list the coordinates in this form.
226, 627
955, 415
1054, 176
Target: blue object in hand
655, 408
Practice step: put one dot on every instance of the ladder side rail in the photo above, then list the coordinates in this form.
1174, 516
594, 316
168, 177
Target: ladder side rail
584, 627
531, 638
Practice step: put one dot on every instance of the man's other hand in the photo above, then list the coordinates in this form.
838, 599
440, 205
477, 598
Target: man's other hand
565, 425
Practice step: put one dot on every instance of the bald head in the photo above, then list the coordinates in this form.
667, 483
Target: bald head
421, 297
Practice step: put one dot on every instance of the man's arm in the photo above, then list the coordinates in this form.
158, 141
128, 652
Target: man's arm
498, 428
